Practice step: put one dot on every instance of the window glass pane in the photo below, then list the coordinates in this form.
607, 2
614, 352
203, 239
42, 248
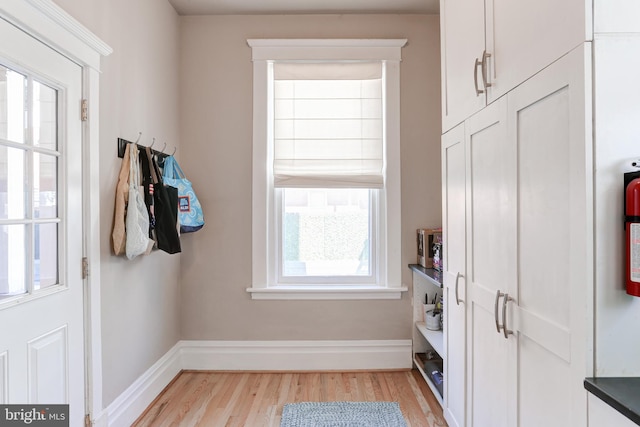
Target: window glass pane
45, 266
12, 105
12, 260
12, 183
45, 194
44, 116
326, 232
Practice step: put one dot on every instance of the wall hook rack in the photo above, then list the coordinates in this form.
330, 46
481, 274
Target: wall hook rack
122, 145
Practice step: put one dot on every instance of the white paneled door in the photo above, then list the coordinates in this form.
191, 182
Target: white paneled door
491, 262
41, 286
548, 313
454, 228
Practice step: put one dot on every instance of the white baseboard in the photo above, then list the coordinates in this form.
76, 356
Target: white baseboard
253, 356
100, 420
296, 355
127, 407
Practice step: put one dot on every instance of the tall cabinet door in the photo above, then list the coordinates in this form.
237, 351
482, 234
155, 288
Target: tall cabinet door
491, 265
453, 226
462, 41
551, 127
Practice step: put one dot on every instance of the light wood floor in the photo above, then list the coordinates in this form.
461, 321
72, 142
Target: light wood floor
249, 399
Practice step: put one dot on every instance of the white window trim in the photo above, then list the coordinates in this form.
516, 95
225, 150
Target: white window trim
264, 51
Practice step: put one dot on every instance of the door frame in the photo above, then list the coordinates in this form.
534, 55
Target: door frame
54, 27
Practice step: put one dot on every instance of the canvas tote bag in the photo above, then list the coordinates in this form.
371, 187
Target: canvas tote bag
164, 209
190, 213
118, 236
138, 241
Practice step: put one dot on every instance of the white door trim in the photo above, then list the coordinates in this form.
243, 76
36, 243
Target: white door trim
54, 27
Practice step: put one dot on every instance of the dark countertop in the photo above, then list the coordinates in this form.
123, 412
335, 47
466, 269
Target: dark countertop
434, 276
621, 393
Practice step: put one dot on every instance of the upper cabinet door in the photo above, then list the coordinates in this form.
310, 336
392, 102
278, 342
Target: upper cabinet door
462, 38
488, 47
523, 37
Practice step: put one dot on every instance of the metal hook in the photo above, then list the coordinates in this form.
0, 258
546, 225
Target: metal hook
163, 147
139, 136
152, 142
174, 150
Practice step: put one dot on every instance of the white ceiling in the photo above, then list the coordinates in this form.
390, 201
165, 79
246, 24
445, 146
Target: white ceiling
270, 7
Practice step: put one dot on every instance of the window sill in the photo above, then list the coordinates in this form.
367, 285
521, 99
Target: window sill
326, 293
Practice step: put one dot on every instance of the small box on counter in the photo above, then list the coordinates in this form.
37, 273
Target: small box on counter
438, 252
425, 239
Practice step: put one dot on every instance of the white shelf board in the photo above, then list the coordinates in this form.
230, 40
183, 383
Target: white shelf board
435, 338
432, 386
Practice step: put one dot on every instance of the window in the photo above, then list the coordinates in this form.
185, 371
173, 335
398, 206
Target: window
326, 183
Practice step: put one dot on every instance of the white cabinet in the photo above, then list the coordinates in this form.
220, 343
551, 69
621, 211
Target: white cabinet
544, 244
601, 414
479, 205
491, 204
454, 213
528, 241
462, 42
551, 135
526, 36
426, 282
489, 47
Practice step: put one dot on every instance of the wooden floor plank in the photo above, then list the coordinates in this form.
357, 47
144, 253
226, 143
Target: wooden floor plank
256, 399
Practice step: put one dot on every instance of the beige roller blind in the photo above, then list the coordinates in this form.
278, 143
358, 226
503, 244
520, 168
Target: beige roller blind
328, 125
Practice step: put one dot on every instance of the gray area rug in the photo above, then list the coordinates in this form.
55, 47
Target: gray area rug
342, 414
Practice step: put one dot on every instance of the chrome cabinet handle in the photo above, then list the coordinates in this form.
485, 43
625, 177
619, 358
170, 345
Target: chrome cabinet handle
495, 310
505, 328
477, 64
485, 56
458, 300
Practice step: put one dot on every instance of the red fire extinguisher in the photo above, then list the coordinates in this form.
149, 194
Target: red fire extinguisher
632, 227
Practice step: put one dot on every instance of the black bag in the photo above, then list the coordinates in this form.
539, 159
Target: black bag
164, 208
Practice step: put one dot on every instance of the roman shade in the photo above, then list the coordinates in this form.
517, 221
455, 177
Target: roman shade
328, 124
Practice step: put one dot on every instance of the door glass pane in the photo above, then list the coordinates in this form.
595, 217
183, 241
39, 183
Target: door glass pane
12, 105
45, 194
29, 180
12, 183
12, 260
325, 232
45, 116
45, 266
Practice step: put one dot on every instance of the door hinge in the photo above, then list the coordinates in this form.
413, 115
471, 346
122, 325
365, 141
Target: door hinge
87, 420
84, 110
85, 268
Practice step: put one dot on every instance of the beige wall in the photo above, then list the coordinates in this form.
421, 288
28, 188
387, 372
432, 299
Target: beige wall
138, 93
216, 127
194, 72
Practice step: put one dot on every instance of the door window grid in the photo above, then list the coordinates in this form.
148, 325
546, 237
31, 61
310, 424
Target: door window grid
29, 181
